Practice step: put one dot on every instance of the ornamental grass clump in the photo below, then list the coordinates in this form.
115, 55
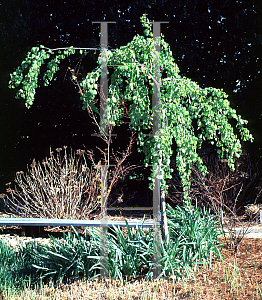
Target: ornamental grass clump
193, 242
16, 270
129, 254
198, 231
62, 187
70, 257
75, 256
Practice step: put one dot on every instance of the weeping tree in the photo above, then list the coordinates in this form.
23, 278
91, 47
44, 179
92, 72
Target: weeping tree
186, 114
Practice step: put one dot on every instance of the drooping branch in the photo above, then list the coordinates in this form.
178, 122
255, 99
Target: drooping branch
184, 100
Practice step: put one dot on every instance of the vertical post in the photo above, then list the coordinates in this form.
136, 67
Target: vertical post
103, 240
158, 194
103, 78
157, 233
104, 129
164, 227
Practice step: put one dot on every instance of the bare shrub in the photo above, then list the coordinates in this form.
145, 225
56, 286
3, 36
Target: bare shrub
225, 192
221, 189
62, 186
253, 211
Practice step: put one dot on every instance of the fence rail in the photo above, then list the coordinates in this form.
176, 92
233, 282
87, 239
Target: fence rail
69, 222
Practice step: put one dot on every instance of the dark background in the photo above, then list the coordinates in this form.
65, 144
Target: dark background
216, 43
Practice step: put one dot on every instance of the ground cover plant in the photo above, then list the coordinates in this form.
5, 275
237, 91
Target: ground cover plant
130, 253
16, 265
234, 196
236, 276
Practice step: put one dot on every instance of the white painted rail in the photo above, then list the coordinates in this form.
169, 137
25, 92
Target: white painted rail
69, 222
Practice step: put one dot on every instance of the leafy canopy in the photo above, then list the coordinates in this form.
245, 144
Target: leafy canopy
131, 83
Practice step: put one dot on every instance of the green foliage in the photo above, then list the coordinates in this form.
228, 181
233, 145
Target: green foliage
193, 242
73, 256
198, 230
16, 265
33, 62
181, 101
128, 254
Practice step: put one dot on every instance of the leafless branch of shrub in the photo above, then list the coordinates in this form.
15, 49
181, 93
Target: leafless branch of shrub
62, 186
119, 170
66, 187
224, 192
